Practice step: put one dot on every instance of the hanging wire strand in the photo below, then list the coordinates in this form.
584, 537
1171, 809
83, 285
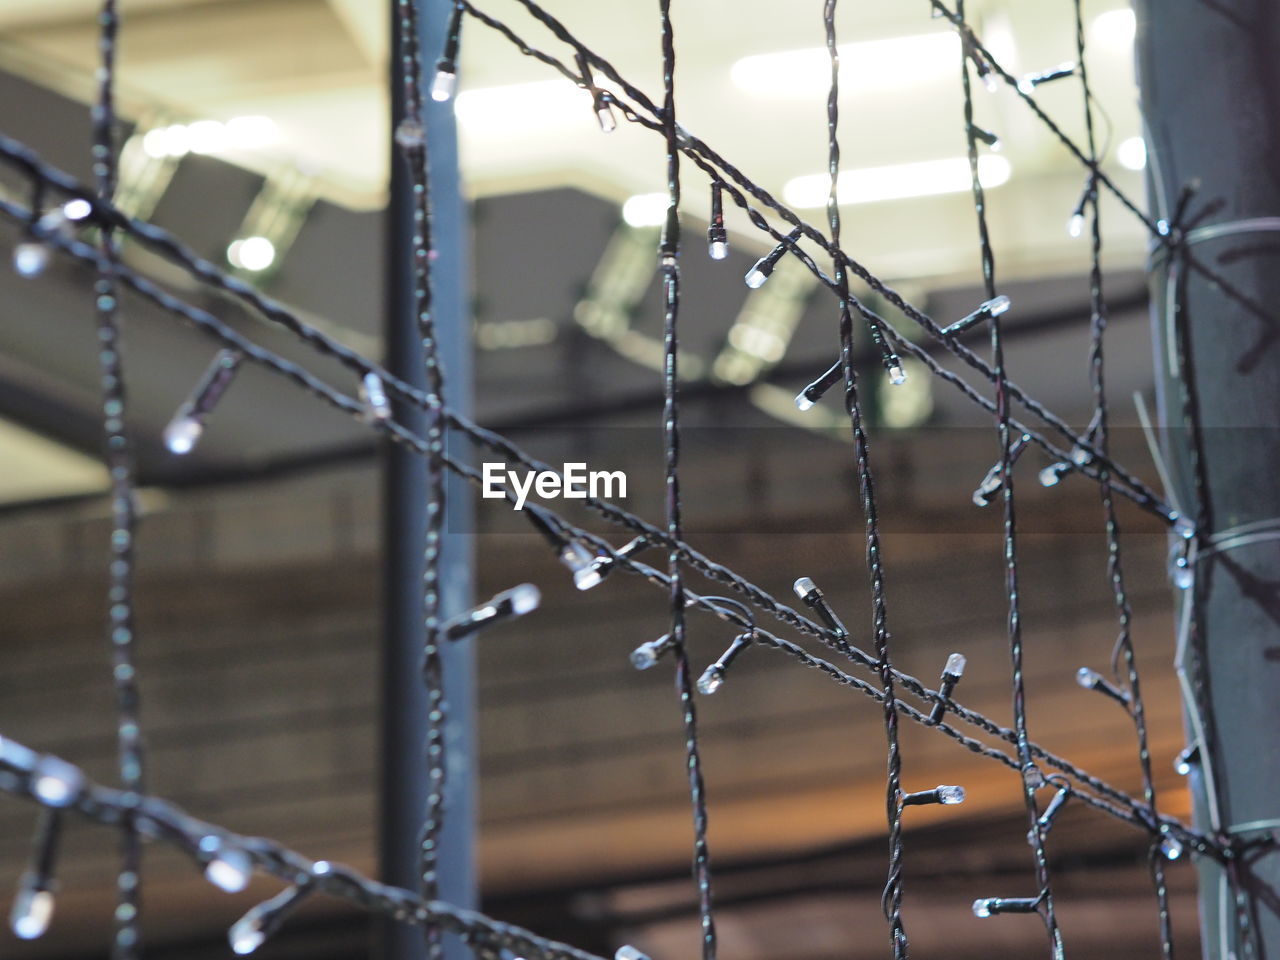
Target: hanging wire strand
119, 459
1032, 778
1115, 566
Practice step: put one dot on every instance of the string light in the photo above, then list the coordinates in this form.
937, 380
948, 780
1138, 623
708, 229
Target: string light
946, 795
1093, 680
986, 136
811, 394
249, 932
1032, 80
445, 82
648, 654
993, 482
988, 309
1170, 846
502, 607
717, 235
628, 952
227, 868
55, 782
1052, 475
713, 676
1185, 761
952, 671
373, 394
33, 904
580, 560
1075, 225
1045, 823
604, 564
808, 591
763, 267
184, 430
1180, 569
30, 257
990, 906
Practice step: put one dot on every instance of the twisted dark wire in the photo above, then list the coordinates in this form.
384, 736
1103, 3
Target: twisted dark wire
1115, 567
669, 265
892, 900
1032, 778
119, 460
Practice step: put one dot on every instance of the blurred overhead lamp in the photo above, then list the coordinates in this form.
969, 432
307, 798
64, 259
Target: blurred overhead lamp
897, 182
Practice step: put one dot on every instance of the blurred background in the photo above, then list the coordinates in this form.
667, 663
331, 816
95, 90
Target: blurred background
257, 131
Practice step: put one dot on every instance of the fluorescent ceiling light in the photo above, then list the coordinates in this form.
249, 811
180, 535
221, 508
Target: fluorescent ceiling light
210, 136
870, 184
646, 209
1132, 153
522, 108
1115, 29
867, 65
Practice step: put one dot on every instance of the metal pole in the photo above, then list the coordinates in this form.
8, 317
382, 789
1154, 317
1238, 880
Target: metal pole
403, 787
1210, 93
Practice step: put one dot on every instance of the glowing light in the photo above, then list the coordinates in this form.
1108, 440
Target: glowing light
252, 253
922, 179
1114, 29
522, 109
1132, 153
646, 209
872, 65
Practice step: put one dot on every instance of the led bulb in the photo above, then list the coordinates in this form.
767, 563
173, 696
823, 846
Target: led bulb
647, 654
719, 249
990, 81
230, 870
803, 403
181, 434
804, 588
997, 305
1089, 679
444, 84
897, 376
374, 396
1075, 226
1183, 578
77, 209
246, 935
1186, 760
955, 665
950, 795
711, 680
32, 910
1170, 846
1052, 475
524, 598
55, 782
982, 908
30, 259
604, 114
628, 952
1184, 526
755, 277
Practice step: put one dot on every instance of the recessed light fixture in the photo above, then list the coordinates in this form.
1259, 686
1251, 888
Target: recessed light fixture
867, 65
922, 179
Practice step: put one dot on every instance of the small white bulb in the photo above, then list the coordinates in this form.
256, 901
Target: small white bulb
55, 788
1184, 527
246, 935
1170, 846
181, 434
955, 665
803, 587
230, 870
30, 259
1050, 476
410, 133
604, 114
32, 911
443, 85
645, 656
718, 249
997, 305
982, 908
525, 598
897, 376
990, 81
1183, 577
1026, 86
756, 278
374, 396
1075, 226
77, 209
587, 577
1088, 678
711, 680
950, 795
628, 952
803, 403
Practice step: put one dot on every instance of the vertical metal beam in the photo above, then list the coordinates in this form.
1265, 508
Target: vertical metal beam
1210, 96
403, 786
